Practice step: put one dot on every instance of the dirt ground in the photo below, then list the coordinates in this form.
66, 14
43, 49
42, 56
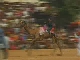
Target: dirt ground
43, 54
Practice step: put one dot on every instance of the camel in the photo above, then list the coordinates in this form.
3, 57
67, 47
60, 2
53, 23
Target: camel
37, 36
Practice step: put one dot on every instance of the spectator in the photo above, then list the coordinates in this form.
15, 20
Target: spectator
5, 51
78, 44
3, 44
23, 37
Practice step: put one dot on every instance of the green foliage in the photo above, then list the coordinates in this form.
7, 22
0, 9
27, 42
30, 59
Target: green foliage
67, 10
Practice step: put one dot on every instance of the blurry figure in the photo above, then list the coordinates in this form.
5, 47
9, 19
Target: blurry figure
14, 37
52, 31
50, 25
16, 30
13, 46
11, 30
4, 45
5, 51
16, 21
25, 13
23, 37
41, 31
9, 14
45, 27
78, 44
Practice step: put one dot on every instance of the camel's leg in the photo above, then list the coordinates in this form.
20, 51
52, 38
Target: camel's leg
57, 43
41, 37
33, 43
29, 50
53, 47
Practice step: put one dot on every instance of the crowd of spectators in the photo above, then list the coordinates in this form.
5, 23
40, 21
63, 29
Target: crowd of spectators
11, 13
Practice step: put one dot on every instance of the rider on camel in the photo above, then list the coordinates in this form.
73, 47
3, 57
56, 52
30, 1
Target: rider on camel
51, 26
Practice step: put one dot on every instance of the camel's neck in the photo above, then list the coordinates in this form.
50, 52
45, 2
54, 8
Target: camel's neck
25, 26
27, 29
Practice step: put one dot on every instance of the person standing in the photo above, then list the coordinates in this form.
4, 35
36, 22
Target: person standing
78, 44
1, 41
3, 44
6, 48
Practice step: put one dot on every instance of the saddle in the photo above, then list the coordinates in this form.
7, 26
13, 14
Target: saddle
47, 35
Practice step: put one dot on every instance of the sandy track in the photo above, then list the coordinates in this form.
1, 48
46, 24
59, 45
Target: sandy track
43, 54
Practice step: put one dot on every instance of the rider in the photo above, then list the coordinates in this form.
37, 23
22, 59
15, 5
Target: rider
50, 25
41, 31
52, 31
45, 27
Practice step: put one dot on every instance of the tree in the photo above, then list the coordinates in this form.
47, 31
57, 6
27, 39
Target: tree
67, 10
